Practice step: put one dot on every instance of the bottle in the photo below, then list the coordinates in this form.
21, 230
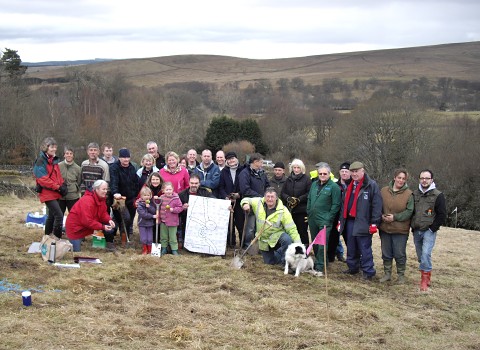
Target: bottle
53, 253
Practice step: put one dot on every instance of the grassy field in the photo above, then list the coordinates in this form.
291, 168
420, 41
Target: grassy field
197, 302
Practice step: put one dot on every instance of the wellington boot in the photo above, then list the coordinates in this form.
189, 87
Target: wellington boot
149, 249
387, 268
175, 252
429, 275
164, 251
144, 249
401, 273
424, 281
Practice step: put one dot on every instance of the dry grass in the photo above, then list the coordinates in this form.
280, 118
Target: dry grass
195, 302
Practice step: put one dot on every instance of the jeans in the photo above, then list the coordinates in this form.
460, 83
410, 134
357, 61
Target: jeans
276, 255
424, 243
77, 244
394, 246
54, 223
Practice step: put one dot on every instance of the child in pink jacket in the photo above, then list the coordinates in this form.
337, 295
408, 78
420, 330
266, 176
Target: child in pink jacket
169, 210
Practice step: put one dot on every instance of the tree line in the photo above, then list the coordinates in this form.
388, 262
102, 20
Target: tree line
385, 124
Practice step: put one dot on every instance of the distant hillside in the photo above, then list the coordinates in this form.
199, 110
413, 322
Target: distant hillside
65, 63
458, 61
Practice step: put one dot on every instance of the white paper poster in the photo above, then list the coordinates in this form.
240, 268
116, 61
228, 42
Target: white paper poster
207, 225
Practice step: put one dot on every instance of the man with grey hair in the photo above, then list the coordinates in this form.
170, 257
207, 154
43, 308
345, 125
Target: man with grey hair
152, 148
274, 239
360, 214
323, 204
93, 168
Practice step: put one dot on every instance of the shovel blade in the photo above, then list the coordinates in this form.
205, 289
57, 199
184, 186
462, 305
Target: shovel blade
237, 263
156, 250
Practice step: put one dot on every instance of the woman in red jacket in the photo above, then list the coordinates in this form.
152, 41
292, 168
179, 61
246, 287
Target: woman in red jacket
89, 214
50, 185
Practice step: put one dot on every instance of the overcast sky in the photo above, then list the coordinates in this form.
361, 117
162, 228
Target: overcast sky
53, 30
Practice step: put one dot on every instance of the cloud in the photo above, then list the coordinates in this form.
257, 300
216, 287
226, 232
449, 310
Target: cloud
57, 29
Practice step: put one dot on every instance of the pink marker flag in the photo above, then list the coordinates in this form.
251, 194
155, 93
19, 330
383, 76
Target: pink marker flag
321, 239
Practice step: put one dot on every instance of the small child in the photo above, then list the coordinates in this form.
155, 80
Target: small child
170, 208
146, 210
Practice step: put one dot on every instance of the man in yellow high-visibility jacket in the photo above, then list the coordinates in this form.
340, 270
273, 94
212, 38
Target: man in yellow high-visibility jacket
274, 239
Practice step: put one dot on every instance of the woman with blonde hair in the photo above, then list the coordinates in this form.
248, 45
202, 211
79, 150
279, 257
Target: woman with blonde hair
294, 195
173, 172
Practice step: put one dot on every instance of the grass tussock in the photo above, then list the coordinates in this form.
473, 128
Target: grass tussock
199, 302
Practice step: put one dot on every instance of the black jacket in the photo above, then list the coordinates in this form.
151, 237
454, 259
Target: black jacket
297, 186
124, 180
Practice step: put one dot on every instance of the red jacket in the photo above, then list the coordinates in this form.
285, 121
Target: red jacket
87, 215
48, 175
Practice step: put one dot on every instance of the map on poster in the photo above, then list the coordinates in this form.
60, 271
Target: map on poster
207, 225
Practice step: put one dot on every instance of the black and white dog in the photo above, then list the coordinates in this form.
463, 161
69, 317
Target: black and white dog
296, 259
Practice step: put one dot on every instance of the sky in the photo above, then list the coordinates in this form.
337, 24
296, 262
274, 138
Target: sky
57, 30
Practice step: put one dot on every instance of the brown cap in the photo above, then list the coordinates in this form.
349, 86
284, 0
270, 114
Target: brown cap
356, 166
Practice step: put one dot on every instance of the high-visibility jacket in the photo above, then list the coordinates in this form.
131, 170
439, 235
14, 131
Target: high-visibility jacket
281, 221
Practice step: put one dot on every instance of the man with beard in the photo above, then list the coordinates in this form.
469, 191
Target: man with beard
229, 188
194, 190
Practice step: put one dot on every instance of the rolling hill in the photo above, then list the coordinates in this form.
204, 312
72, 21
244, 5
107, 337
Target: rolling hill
458, 61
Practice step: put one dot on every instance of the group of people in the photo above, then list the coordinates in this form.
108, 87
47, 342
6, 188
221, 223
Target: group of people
282, 209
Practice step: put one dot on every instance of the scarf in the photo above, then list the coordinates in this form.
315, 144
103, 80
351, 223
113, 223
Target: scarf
353, 210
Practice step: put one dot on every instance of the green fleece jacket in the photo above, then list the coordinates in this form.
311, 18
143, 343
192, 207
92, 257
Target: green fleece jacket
281, 221
323, 202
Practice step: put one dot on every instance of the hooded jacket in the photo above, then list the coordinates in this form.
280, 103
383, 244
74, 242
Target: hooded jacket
88, 214
48, 175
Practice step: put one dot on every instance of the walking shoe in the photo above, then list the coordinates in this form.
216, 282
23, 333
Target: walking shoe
111, 247
367, 277
350, 272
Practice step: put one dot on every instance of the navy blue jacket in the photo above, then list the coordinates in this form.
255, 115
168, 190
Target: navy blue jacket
369, 208
252, 183
227, 185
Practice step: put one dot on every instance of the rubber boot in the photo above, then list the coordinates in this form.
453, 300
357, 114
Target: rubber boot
429, 275
175, 252
401, 273
424, 281
144, 249
149, 249
164, 251
387, 268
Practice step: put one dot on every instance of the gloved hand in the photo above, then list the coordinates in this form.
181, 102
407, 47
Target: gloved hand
373, 229
292, 202
63, 189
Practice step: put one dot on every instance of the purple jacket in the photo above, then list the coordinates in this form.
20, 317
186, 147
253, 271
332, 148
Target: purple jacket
170, 218
145, 215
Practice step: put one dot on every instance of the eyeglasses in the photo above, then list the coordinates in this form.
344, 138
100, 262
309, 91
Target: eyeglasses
425, 178
322, 173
